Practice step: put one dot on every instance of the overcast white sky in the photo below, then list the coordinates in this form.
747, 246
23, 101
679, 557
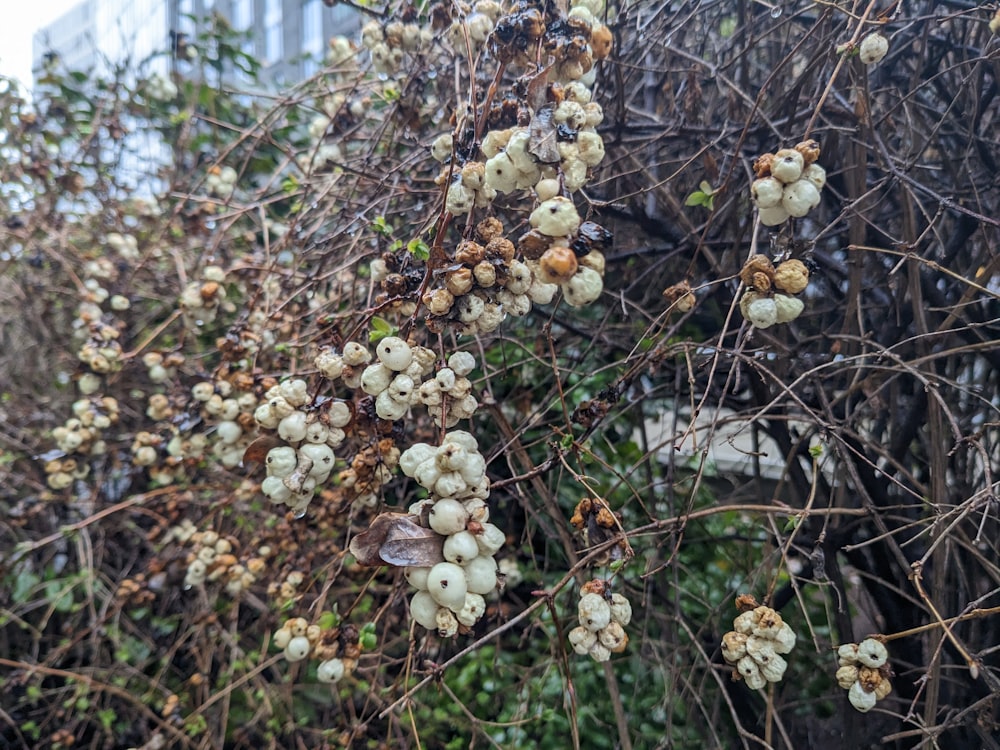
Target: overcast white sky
21, 19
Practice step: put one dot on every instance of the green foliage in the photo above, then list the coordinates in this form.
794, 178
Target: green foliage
703, 196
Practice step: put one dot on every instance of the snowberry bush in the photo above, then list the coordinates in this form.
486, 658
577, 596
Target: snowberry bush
350, 419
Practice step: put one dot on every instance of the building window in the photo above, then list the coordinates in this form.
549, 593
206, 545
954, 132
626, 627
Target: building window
273, 31
312, 35
242, 14
243, 23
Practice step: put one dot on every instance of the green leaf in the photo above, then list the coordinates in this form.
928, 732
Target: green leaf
329, 619
23, 585
704, 196
380, 226
369, 639
380, 329
816, 450
419, 249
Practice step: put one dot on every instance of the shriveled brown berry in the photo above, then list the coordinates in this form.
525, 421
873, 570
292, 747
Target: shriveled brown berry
594, 586
394, 284
580, 512
532, 244
601, 40
606, 519
869, 678
761, 282
756, 264
809, 150
791, 276
488, 229
440, 301
500, 248
459, 281
469, 252
485, 274
680, 296
762, 165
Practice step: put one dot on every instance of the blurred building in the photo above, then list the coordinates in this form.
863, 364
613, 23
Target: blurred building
145, 37
289, 37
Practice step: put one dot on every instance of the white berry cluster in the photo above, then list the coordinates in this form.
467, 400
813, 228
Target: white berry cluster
552, 154
288, 589
574, 43
390, 43
101, 352
342, 52
160, 87
448, 395
212, 559
475, 26
145, 448
371, 467
482, 286
570, 258
200, 301
393, 380
162, 367
221, 181
95, 414
231, 410
603, 617
81, 434
770, 296
403, 376
336, 648
125, 245
864, 672
346, 365
755, 645
296, 470
450, 594
788, 183
60, 472
470, 188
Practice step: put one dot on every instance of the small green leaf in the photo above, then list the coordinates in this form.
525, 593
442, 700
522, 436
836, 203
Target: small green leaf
23, 585
329, 619
419, 249
380, 329
368, 640
380, 226
816, 450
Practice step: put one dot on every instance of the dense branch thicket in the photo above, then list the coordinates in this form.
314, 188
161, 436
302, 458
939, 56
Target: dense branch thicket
206, 481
